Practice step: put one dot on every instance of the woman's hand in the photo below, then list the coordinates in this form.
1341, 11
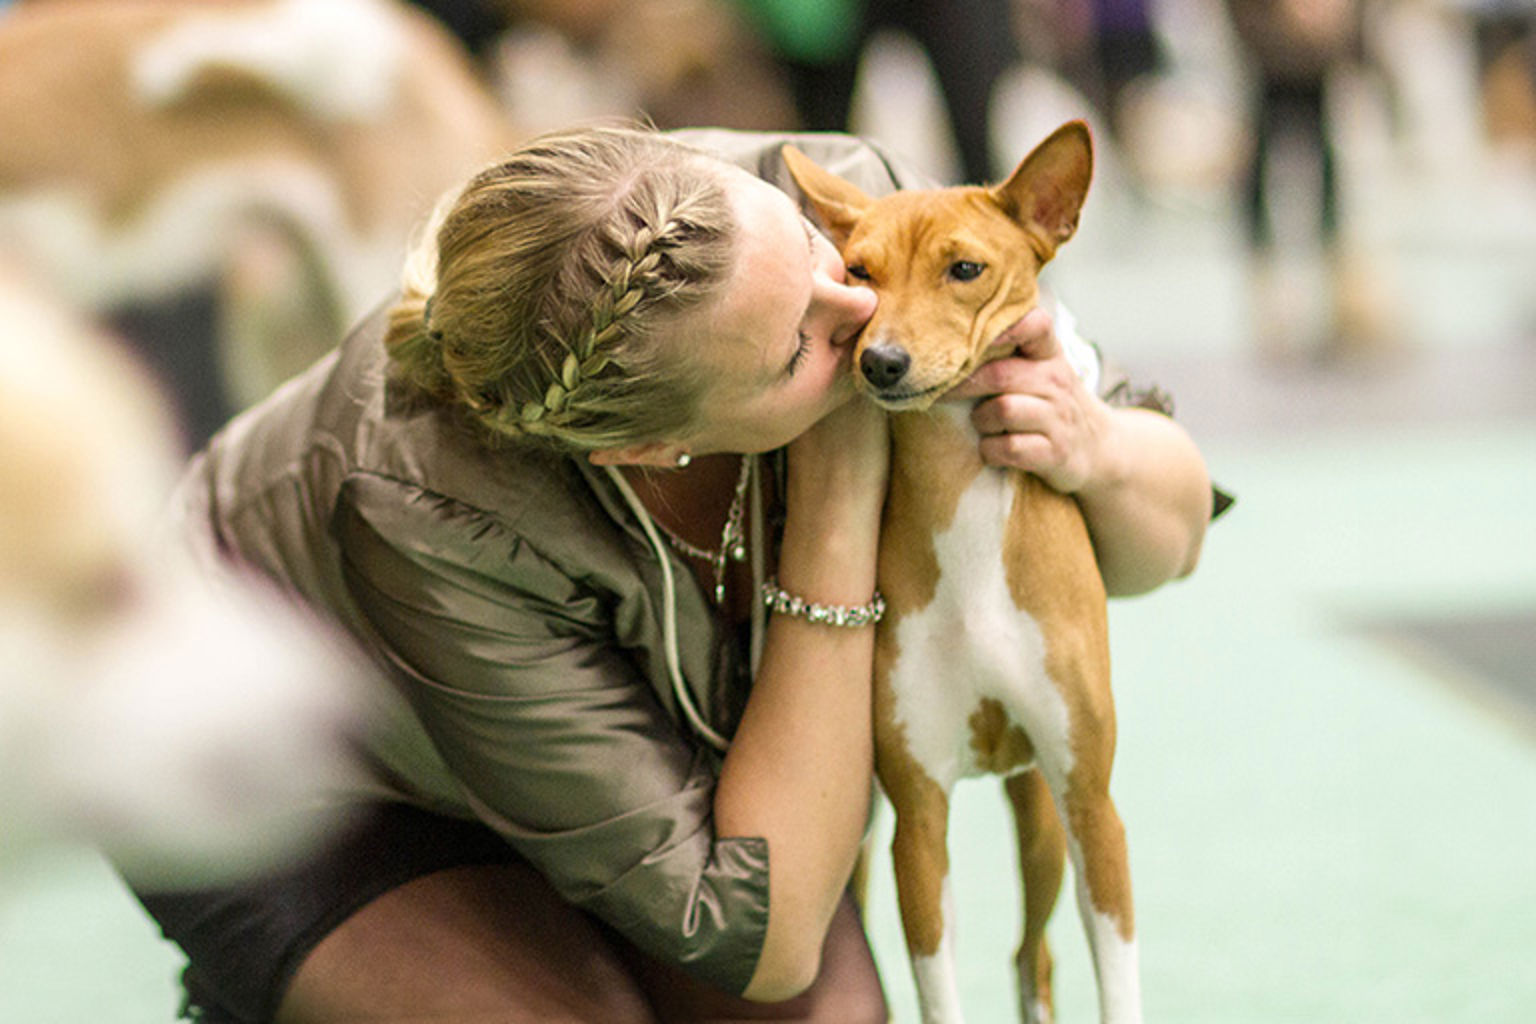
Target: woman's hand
845, 458
1137, 475
1035, 414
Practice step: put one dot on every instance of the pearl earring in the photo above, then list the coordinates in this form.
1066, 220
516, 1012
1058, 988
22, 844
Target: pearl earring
683, 460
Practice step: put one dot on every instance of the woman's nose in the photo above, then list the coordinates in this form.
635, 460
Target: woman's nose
855, 305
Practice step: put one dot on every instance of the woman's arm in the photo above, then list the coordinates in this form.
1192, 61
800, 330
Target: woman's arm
799, 769
1141, 482
545, 725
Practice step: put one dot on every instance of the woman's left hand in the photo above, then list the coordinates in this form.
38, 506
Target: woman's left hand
1137, 475
1035, 414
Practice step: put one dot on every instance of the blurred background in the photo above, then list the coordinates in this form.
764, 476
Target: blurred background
1313, 222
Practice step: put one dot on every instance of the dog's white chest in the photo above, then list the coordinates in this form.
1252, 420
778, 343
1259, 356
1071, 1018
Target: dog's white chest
972, 643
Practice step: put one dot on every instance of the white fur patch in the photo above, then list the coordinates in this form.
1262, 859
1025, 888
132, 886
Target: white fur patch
340, 59
175, 719
973, 642
1116, 962
182, 735
1033, 1011
1080, 353
938, 986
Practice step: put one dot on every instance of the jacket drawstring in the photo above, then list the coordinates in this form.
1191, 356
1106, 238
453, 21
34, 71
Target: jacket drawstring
669, 598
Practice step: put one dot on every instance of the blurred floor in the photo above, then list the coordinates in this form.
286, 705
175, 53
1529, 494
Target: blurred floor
1331, 800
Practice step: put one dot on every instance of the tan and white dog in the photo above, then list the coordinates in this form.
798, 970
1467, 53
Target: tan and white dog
993, 657
184, 723
279, 152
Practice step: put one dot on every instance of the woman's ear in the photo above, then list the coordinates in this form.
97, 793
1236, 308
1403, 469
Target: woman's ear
663, 454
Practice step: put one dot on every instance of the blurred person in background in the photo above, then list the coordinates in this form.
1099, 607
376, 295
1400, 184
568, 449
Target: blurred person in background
970, 43
1126, 50
674, 63
1293, 49
1504, 33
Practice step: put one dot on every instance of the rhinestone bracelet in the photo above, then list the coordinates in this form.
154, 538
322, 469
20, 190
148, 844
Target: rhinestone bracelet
776, 599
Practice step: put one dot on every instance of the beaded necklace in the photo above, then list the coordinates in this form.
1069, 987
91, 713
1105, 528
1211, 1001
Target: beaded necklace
733, 539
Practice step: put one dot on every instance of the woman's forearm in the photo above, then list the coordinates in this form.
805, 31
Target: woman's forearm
800, 766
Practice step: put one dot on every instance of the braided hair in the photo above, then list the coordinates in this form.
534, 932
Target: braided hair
539, 301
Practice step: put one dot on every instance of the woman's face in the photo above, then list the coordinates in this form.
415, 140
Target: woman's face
777, 342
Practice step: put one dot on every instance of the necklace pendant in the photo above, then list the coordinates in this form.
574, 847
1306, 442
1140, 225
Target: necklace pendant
720, 593
739, 552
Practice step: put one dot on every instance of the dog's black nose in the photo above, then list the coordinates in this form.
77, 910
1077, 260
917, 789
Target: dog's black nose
884, 365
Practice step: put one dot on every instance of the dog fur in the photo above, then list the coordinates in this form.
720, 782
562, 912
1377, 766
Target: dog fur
993, 657
279, 152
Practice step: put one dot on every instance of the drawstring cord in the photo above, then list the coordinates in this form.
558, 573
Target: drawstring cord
669, 599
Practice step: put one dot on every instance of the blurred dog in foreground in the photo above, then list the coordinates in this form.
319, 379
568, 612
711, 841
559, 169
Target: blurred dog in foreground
189, 726
265, 159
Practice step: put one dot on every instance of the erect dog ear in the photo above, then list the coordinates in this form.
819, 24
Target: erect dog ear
1047, 190
839, 203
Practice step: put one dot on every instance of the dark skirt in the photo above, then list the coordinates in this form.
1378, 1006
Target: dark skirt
245, 942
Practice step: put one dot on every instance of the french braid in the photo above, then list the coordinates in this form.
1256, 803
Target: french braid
556, 274
634, 276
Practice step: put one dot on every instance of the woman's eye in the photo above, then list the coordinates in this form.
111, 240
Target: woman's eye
800, 353
857, 270
966, 270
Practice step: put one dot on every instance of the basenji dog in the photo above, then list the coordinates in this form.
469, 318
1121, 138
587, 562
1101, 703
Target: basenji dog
993, 657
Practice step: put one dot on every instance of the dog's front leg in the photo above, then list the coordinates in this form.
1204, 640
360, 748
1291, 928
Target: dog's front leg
1097, 843
920, 859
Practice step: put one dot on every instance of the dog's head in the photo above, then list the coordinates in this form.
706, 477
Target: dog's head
953, 267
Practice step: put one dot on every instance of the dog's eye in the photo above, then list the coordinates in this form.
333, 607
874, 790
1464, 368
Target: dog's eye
858, 270
966, 270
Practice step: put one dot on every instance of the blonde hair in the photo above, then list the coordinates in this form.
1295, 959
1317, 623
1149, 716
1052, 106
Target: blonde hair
539, 296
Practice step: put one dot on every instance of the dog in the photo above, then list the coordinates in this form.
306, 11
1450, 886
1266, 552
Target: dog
993, 656
194, 728
266, 158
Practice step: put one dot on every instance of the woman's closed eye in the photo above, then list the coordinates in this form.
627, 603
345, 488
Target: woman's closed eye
801, 351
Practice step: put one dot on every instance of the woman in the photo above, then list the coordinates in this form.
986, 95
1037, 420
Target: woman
546, 490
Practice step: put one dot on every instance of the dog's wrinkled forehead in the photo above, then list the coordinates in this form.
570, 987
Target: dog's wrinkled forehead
923, 233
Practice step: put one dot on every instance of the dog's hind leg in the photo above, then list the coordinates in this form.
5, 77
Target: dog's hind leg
1042, 862
920, 860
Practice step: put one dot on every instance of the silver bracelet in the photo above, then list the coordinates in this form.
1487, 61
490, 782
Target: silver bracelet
776, 599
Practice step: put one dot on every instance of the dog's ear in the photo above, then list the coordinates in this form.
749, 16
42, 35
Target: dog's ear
1047, 190
839, 203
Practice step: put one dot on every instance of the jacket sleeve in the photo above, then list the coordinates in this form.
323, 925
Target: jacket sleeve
859, 160
555, 735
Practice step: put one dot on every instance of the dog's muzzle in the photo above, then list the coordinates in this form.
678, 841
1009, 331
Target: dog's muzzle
883, 366
886, 372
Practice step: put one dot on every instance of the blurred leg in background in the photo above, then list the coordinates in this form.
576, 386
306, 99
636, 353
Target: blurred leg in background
1294, 48
969, 43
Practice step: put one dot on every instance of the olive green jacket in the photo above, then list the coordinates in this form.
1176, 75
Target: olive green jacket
516, 607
